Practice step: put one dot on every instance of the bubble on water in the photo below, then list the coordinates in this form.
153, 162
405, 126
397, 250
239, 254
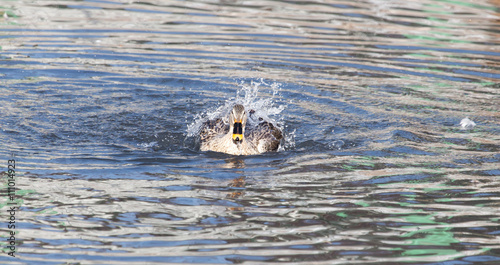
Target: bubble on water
467, 124
253, 97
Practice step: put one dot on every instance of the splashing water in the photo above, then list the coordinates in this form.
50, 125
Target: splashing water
266, 108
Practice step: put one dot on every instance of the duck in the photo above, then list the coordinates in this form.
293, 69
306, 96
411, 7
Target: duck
239, 137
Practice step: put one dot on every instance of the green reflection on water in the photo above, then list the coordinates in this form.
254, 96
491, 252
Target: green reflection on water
24, 192
439, 237
437, 19
434, 39
420, 219
468, 4
363, 204
431, 237
5, 15
342, 214
426, 240
440, 84
429, 252
419, 55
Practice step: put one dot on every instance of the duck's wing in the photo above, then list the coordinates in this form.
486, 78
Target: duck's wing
265, 136
213, 128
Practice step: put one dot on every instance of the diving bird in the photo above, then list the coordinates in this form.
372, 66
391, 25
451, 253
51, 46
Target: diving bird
239, 138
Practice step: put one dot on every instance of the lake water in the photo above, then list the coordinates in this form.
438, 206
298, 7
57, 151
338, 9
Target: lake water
100, 103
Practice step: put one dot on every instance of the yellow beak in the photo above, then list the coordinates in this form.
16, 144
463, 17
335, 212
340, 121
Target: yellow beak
238, 131
238, 137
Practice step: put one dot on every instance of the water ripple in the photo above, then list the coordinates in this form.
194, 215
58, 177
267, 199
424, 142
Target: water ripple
102, 100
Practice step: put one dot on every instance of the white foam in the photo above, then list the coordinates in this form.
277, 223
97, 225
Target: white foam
148, 145
467, 123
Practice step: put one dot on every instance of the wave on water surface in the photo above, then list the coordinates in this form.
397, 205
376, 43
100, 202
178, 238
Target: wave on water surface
103, 102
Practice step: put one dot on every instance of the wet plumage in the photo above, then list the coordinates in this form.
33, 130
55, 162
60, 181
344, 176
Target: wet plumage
238, 137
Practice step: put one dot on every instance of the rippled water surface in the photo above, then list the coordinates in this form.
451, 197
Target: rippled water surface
101, 101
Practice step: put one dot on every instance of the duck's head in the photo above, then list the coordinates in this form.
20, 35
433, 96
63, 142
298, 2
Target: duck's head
237, 122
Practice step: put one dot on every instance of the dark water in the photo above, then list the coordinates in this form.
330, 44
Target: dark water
101, 100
